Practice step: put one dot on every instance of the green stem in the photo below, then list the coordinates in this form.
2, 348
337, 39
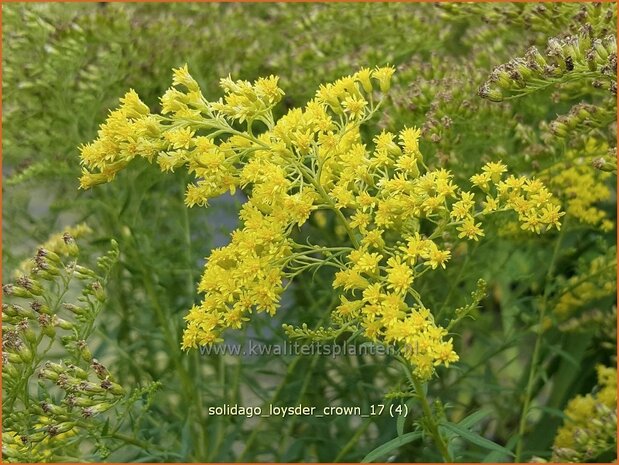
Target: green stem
282, 385
537, 348
195, 360
188, 245
145, 446
302, 391
455, 283
353, 440
431, 424
431, 421
188, 387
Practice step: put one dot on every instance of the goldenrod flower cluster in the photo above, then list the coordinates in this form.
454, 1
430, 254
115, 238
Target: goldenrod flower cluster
395, 212
600, 321
128, 131
591, 425
581, 186
599, 280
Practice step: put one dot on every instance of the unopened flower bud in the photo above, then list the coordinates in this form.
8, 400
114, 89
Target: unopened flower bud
98, 291
604, 165
77, 371
39, 307
45, 322
601, 50
18, 311
501, 77
84, 272
75, 309
592, 60
112, 387
581, 437
554, 48
89, 388
49, 255
558, 128
566, 454
493, 94
25, 354
56, 367
88, 412
27, 332
84, 351
51, 375
30, 285
74, 401
63, 324
51, 408
48, 274
8, 369
17, 291
54, 430
533, 56
521, 67
12, 357
72, 248
36, 437
100, 370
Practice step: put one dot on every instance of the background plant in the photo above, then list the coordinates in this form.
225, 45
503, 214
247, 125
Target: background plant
59, 402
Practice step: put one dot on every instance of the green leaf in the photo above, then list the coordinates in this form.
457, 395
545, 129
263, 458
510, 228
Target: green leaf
399, 425
565, 355
474, 418
494, 456
391, 445
475, 438
106, 427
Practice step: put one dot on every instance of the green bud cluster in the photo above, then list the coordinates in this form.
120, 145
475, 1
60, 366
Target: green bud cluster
573, 57
39, 320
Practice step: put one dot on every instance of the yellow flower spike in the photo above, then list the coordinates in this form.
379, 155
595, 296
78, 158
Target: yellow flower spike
580, 437
551, 215
399, 275
531, 222
363, 76
268, 91
490, 205
385, 143
373, 294
470, 229
436, 257
462, 207
409, 139
173, 101
383, 76
132, 106
354, 106
373, 239
183, 78
179, 138
89, 180
494, 170
482, 181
